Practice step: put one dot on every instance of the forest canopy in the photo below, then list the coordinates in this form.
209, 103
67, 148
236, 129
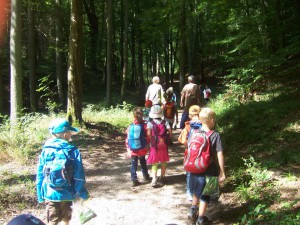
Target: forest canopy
67, 50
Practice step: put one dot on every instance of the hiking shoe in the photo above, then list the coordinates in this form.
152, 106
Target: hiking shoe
193, 214
203, 220
135, 183
146, 177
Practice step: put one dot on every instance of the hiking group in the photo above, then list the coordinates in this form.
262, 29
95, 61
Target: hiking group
203, 159
60, 174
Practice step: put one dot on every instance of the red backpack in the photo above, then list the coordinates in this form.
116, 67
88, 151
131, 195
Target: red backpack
197, 157
169, 110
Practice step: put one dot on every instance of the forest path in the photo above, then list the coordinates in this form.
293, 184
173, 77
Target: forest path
117, 203
114, 200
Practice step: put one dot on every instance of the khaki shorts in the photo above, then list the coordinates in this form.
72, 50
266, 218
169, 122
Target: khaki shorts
58, 211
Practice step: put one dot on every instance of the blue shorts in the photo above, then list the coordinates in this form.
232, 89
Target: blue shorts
197, 184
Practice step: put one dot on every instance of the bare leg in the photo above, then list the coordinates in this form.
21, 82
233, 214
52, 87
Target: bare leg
154, 174
202, 208
195, 200
65, 222
163, 168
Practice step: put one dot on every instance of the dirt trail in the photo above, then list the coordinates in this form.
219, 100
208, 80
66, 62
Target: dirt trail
117, 203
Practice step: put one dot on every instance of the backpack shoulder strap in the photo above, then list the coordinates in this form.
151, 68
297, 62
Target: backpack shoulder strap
209, 133
66, 153
154, 128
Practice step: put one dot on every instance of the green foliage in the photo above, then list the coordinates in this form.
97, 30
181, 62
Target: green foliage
256, 182
119, 116
260, 136
261, 214
47, 93
25, 139
16, 189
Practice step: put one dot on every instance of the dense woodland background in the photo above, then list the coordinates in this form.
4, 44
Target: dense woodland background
93, 61
56, 53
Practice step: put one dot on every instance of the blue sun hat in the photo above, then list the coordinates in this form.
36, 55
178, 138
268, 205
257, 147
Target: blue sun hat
61, 126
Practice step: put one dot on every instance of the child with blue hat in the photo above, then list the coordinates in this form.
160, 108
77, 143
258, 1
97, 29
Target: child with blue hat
60, 174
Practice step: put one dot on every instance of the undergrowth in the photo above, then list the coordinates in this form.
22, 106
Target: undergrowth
261, 137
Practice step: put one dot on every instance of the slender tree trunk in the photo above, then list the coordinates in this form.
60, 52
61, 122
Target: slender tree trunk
182, 60
133, 66
94, 32
125, 65
154, 60
167, 58
1, 84
109, 51
59, 53
121, 43
32, 55
15, 62
75, 63
140, 64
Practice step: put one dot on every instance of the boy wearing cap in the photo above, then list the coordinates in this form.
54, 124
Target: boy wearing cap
60, 174
216, 169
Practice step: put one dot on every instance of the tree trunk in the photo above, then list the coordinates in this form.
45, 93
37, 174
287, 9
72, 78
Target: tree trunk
59, 53
15, 62
167, 58
140, 64
1, 86
94, 31
32, 55
182, 60
133, 66
109, 52
75, 63
125, 65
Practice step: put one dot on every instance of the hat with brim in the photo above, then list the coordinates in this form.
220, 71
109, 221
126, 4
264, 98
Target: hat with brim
156, 112
61, 126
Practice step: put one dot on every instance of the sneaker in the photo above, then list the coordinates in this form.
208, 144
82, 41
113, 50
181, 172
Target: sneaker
146, 177
135, 183
163, 180
203, 220
189, 198
193, 214
154, 183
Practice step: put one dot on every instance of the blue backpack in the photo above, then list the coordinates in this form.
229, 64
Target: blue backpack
136, 137
58, 169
